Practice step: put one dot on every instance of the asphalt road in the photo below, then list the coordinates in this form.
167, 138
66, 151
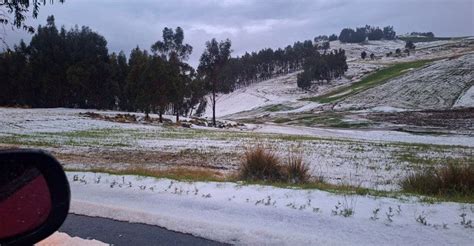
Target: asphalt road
124, 233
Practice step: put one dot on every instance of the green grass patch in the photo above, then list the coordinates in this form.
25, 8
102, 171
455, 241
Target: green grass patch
278, 107
372, 80
413, 158
27, 140
281, 120
424, 39
328, 119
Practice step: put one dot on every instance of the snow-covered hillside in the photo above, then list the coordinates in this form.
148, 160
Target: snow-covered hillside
466, 99
280, 90
283, 89
436, 86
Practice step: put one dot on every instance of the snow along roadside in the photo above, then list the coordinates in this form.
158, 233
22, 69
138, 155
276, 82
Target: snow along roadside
63, 239
256, 215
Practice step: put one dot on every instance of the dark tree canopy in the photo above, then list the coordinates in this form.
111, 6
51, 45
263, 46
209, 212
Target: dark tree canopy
410, 45
349, 35
322, 67
19, 10
172, 46
175, 52
212, 63
333, 37
424, 34
374, 33
389, 33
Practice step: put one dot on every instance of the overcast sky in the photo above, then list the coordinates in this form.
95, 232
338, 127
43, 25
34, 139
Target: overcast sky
251, 24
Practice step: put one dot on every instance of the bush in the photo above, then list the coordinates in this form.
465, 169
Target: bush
410, 45
296, 170
260, 164
451, 180
303, 80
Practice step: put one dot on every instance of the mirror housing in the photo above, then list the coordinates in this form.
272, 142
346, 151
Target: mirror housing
59, 193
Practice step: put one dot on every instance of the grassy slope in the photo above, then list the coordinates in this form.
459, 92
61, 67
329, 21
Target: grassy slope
370, 81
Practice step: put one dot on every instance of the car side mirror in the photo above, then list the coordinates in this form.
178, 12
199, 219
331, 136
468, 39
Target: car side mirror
34, 196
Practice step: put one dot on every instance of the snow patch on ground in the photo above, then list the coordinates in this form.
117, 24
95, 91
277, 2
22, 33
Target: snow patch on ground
383, 109
262, 215
63, 239
467, 99
279, 90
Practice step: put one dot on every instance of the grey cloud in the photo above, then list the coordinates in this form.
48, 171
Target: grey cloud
252, 24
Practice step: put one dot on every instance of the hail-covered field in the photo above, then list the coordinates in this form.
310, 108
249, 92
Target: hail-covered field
349, 133
372, 158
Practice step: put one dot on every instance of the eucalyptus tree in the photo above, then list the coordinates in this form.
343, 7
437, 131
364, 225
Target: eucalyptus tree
212, 61
172, 50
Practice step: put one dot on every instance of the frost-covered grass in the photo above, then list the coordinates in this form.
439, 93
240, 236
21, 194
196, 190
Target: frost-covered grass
371, 159
372, 80
325, 119
179, 173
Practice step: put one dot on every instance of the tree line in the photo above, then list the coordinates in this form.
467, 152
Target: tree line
73, 68
267, 63
424, 34
361, 34
322, 68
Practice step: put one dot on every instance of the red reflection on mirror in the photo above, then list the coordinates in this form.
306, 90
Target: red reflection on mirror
26, 208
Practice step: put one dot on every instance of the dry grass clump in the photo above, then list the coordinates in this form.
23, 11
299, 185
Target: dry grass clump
177, 173
450, 180
296, 171
259, 164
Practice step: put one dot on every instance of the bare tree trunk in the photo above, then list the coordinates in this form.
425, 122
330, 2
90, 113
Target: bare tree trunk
161, 115
214, 107
177, 114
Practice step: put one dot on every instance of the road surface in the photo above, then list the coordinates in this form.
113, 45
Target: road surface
124, 233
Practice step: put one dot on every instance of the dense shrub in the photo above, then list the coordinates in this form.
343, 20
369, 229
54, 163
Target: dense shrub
451, 180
